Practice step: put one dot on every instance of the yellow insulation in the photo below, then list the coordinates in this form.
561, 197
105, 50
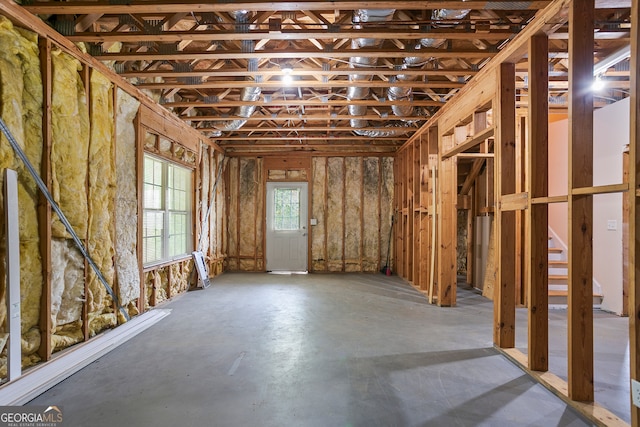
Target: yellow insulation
353, 214
335, 214
126, 201
318, 211
101, 196
371, 215
204, 200
67, 282
70, 143
21, 108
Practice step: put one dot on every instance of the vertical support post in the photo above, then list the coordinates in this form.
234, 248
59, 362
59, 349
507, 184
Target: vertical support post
44, 209
538, 215
504, 301
634, 208
11, 229
415, 214
447, 212
142, 300
580, 311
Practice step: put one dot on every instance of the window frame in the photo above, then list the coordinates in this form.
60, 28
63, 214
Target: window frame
168, 212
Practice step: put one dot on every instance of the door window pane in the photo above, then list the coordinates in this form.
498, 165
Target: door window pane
286, 209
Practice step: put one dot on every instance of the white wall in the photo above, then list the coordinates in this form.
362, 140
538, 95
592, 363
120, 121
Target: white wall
611, 134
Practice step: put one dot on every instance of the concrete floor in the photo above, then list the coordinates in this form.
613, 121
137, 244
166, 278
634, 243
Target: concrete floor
310, 350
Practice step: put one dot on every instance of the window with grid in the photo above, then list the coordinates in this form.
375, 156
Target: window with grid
286, 209
167, 211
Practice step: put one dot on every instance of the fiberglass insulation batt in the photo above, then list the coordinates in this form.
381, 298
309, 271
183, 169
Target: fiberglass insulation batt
102, 190
69, 153
126, 206
21, 101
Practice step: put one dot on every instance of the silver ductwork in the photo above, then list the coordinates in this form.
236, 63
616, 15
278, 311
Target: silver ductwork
356, 93
396, 93
248, 94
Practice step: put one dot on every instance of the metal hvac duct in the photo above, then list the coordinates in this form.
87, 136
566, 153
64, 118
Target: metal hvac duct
355, 93
396, 93
248, 94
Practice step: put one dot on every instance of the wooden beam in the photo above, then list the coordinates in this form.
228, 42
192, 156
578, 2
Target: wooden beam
306, 84
634, 209
504, 301
164, 6
514, 202
288, 34
537, 219
472, 142
548, 200
580, 257
546, 21
447, 249
44, 209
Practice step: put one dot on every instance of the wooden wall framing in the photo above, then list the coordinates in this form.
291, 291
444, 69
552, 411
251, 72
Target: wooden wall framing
521, 193
157, 282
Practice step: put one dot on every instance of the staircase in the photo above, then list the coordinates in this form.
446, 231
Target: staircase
559, 279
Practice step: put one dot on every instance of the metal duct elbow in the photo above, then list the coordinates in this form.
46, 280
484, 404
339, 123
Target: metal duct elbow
249, 94
383, 132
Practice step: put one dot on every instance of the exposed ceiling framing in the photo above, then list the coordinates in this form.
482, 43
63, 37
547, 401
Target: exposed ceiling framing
363, 74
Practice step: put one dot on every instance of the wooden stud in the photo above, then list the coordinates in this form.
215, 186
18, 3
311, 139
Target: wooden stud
344, 214
84, 75
44, 209
625, 235
140, 135
447, 213
537, 216
417, 279
504, 293
634, 208
580, 257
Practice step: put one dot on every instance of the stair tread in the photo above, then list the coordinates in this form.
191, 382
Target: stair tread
558, 262
558, 276
555, 250
564, 292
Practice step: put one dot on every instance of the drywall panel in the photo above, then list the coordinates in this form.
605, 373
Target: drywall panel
610, 138
611, 135
126, 201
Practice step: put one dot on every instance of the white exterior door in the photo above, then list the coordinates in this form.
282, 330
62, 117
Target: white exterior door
287, 232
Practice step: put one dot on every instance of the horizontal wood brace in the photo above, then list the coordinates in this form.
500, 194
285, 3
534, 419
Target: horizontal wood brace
601, 189
548, 200
470, 143
514, 202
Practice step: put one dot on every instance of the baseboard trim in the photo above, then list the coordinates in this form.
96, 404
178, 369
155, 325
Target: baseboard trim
46, 375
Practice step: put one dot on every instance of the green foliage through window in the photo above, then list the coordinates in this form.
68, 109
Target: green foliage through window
167, 210
286, 209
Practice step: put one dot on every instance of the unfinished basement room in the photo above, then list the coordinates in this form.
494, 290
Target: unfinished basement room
319, 213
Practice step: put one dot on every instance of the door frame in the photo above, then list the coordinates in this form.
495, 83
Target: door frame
308, 214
